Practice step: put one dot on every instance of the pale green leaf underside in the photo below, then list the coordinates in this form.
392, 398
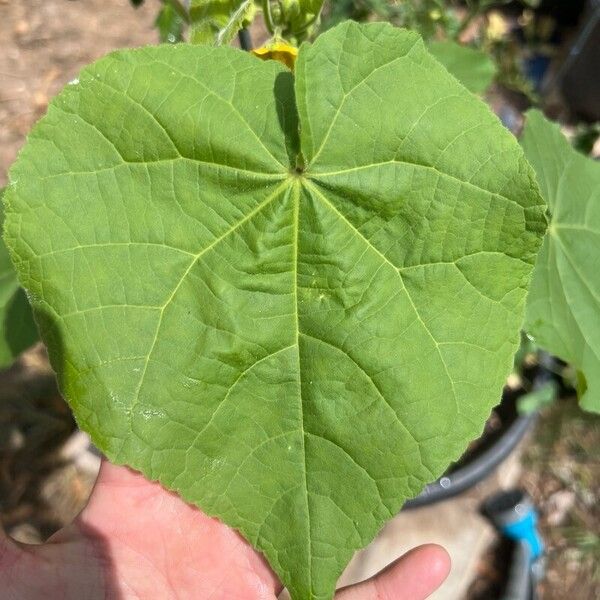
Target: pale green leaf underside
473, 68
17, 328
563, 308
218, 21
297, 353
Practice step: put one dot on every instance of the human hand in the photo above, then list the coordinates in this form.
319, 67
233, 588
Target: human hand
137, 540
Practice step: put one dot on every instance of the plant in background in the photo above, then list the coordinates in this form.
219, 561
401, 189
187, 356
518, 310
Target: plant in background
171, 20
564, 301
291, 297
586, 137
438, 22
171, 23
427, 17
218, 21
490, 53
214, 21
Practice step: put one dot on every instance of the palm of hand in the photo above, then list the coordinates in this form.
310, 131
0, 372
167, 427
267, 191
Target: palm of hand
137, 540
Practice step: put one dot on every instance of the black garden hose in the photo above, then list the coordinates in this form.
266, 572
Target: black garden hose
480, 467
520, 582
475, 471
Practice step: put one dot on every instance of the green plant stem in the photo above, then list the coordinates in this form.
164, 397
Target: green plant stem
268, 16
308, 24
180, 9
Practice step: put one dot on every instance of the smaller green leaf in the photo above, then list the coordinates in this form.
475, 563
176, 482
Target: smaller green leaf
473, 68
17, 327
563, 307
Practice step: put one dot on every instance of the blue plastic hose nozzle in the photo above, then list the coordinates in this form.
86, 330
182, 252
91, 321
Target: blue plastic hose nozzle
515, 516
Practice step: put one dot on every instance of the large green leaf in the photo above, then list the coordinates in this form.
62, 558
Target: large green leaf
17, 328
296, 350
563, 308
473, 68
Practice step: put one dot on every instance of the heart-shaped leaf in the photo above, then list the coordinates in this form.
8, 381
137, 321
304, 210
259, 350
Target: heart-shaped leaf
563, 307
295, 341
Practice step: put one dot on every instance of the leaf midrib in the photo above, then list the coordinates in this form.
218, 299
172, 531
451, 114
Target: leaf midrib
296, 228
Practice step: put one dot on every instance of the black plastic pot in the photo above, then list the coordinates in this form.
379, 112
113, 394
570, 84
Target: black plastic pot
492, 449
245, 39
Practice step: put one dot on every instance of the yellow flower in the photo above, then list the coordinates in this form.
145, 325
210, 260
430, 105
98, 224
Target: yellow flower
497, 26
280, 51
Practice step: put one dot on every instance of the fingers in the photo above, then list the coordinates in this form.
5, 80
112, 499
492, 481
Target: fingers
413, 576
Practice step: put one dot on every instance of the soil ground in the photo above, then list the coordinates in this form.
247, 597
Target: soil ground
43, 44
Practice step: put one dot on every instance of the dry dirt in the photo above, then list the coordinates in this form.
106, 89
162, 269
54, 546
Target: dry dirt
43, 45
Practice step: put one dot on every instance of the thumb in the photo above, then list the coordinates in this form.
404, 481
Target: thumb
17, 562
413, 576
66, 566
10, 554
